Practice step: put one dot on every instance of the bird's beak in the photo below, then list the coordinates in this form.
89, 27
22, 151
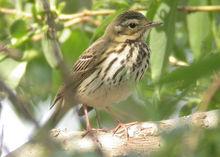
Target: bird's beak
152, 24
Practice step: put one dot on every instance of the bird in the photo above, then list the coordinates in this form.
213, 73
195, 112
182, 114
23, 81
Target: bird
107, 71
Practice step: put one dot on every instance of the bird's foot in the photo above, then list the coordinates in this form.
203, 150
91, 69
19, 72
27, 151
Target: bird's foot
122, 128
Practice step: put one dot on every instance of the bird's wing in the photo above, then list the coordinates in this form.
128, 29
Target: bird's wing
90, 58
84, 66
84, 63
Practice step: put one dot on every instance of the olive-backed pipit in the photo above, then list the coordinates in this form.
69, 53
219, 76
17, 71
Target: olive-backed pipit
109, 69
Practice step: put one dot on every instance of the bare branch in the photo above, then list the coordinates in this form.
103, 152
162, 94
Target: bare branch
52, 37
18, 104
69, 99
14, 12
86, 13
81, 20
143, 137
9, 52
210, 92
82, 14
190, 9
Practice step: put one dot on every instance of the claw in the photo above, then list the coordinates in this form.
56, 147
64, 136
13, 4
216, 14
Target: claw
125, 128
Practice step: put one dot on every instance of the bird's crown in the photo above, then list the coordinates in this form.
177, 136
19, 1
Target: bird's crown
130, 25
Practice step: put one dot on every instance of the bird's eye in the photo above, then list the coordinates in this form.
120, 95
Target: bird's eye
132, 25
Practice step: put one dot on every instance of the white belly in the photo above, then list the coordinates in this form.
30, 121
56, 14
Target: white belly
107, 96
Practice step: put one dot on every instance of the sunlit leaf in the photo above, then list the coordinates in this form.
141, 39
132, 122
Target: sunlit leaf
199, 25
188, 75
12, 71
37, 81
161, 38
52, 52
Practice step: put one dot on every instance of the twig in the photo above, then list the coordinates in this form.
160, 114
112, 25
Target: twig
144, 137
19, 105
210, 92
56, 53
52, 37
68, 94
86, 13
81, 20
9, 52
62, 16
14, 12
72, 19
190, 9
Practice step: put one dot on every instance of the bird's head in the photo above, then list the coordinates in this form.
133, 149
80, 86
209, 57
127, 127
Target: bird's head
130, 25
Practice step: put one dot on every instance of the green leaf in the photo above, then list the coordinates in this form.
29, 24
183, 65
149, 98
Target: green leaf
49, 46
12, 71
75, 43
199, 25
18, 28
161, 38
199, 30
187, 75
37, 81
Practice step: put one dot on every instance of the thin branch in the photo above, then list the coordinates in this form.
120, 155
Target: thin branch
190, 9
210, 92
81, 20
52, 37
82, 15
9, 52
142, 138
76, 21
86, 13
18, 104
68, 93
71, 19
14, 12
62, 16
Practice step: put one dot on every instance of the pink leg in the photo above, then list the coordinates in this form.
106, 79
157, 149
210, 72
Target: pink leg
88, 125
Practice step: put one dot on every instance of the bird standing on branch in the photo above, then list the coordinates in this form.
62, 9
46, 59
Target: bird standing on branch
109, 69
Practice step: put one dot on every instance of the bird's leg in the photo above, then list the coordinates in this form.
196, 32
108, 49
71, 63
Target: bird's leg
89, 129
88, 125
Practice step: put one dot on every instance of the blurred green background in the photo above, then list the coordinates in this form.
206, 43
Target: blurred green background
185, 60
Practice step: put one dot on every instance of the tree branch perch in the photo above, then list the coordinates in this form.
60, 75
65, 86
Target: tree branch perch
143, 137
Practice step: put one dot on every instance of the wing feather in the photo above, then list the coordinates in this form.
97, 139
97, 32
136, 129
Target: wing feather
83, 63
84, 66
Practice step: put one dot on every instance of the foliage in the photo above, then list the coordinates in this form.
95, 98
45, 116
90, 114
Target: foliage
168, 89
